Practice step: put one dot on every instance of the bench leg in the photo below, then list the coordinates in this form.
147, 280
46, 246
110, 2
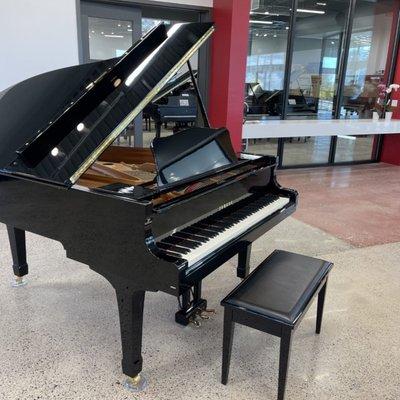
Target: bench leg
229, 327
284, 357
320, 307
243, 268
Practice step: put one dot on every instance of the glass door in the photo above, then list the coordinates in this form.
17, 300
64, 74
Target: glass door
107, 32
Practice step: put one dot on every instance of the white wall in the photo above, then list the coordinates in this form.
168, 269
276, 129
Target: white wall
36, 36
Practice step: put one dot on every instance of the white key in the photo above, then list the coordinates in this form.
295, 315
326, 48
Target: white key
234, 231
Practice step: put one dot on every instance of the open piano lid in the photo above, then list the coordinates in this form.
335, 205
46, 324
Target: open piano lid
54, 126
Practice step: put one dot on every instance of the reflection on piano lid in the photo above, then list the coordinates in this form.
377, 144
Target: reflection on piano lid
191, 153
67, 139
175, 83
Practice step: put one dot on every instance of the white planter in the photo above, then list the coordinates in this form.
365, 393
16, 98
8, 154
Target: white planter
375, 116
388, 116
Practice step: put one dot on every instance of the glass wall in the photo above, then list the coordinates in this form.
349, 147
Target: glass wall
369, 57
268, 36
316, 56
321, 60
306, 150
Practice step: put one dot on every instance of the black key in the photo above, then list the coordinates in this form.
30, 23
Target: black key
172, 248
208, 227
201, 232
190, 236
171, 254
215, 225
181, 242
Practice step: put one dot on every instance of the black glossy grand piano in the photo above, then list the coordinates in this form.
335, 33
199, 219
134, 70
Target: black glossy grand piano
176, 102
158, 219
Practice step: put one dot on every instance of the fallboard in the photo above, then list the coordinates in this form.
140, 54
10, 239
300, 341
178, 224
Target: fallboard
191, 208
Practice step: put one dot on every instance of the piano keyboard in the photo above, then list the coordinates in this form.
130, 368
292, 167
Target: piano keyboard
206, 236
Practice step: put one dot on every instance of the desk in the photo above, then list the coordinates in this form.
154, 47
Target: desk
301, 128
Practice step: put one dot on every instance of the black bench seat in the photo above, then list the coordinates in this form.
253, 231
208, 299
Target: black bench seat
273, 299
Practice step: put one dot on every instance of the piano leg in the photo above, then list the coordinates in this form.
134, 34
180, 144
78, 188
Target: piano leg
18, 250
243, 268
130, 306
191, 308
158, 129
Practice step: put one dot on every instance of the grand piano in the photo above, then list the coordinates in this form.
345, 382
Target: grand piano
158, 219
176, 102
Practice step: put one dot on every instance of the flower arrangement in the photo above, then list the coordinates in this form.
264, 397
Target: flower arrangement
384, 102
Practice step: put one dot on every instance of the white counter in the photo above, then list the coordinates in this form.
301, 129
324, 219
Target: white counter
296, 128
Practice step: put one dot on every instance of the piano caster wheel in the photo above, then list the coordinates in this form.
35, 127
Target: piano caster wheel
19, 281
136, 384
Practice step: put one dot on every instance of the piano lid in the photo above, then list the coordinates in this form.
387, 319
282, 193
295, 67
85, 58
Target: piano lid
54, 126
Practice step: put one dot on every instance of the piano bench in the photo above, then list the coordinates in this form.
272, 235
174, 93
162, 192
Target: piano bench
273, 299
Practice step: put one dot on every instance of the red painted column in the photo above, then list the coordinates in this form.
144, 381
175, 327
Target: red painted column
391, 143
228, 66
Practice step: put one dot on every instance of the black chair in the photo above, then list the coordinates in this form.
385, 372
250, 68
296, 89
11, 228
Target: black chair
274, 299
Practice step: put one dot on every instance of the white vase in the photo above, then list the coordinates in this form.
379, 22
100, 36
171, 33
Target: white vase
375, 116
388, 116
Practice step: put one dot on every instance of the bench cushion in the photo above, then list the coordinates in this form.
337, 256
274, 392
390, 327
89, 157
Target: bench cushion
280, 287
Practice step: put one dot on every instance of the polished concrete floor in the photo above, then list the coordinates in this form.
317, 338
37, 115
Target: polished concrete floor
59, 335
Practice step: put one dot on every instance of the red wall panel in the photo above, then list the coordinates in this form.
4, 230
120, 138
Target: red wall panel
228, 66
391, 143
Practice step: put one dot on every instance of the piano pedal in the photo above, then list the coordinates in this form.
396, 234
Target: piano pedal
203, 315
210, 311
187, 316
195, 321
19, 281
136, 384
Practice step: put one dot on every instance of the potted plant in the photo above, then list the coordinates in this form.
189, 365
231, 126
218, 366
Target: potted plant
384, 104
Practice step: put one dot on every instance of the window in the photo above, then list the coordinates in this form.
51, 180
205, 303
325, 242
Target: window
268, 36
369, 57
316, 57
322, 60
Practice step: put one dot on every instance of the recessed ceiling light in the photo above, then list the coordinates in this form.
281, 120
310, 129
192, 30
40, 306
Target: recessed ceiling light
321, 4
265, 35
129, 26
92, 31
332, 42
119, 24
287, 28
114, 36
102, 33
275, 35
306, 10
129, 30
252, 21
